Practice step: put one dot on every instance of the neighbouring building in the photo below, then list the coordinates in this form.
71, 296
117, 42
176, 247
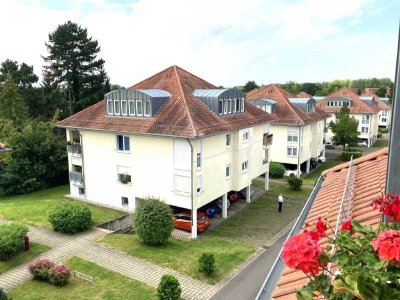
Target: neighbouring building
173, 136
385, 113
299, 127
365, 109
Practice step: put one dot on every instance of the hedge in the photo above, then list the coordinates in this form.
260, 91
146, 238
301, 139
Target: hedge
11, 239
346, 155
70, 217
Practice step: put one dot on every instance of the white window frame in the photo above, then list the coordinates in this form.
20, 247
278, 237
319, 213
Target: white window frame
245, 166
364, 129
222, 107
198, 160
123, 143
139, 103
116, 104
292, 148
228, 169
229, 106
294, 137
228, 140
145, 105
199, 188
129, 107
246, 136
233, 105
112, 107
242, 104
124, 102
225, 106
122, 201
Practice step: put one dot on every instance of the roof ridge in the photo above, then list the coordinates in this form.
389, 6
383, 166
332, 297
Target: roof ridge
154, 75
185, 100
191, 74
357, 161
291, 106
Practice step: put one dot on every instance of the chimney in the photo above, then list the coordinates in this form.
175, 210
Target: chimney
393, 168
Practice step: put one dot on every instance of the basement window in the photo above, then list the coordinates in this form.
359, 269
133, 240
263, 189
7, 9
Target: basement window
125, 201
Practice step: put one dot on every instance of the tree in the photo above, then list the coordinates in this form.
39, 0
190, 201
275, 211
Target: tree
11, 104
309, 88
73, 66
22, 74
345, 128
249, 86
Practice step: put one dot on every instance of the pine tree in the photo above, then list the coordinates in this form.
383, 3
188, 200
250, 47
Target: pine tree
345, 128
72, 65
12, 105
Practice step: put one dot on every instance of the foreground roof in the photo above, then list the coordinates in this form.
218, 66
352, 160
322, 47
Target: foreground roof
182, 114
369, 184
286, 112
357, 106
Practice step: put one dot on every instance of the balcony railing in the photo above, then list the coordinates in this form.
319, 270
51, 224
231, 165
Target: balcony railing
75, 177
265, 161
75, 149
267, 139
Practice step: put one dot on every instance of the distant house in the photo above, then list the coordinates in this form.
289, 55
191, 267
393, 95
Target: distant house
364, 108
4, 149
385, 113
173, 136
299, 128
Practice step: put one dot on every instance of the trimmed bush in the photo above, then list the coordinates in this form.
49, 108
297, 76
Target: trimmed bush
346, 155
59, 275
11, 239
70, 217
276, 170
169, 288
295, 183
40, 268
153, 222
379, 135
3, 295
207, 263
383, 130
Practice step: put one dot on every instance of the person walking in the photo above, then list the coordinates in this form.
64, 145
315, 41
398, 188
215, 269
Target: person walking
280, 202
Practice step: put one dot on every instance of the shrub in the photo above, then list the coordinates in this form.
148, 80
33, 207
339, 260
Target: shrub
153, 222
11, 239
40, 268
346, 155
383, 130
295, 183
207, 263
3, 295
379, 135
59, 275
70, 217
276, 170
169, 288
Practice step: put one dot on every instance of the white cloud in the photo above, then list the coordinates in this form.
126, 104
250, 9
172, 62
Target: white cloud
225, 42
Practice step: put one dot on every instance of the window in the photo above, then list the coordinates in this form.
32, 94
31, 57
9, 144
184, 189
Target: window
364, 129
234, 105
365, 119
228, 140
117, 108
125, 201
139, 108
124, 107
147, 108
110, 107
242, 105
199, 184
225, 107
238, 105
198, 160
123, 143
383, 119
81, 191
293, 137
245, 166
182, 185
124, 178
131, 105
220, 107
228, 171
292, 151
246, 136
229, 106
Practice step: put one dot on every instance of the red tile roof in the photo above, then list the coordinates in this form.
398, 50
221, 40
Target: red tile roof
303, 94
182, 115
372, 93
357, 106
369, 184
286, 112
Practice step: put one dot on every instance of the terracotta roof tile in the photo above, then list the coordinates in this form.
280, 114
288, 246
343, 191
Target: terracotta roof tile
303, 94
381, 104
286, 112
369, 184
182, 115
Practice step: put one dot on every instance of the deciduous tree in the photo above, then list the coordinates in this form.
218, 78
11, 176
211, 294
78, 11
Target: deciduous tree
12, 105
344, 128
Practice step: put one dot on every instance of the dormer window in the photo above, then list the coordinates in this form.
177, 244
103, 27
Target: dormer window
222, 101
147, 108
234, 105
242, 104
139, 108
131, 107
124, 107
110, 107
117, 108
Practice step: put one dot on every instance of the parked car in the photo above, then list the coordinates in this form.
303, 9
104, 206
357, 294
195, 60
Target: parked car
210, 209
321, 159
291, 172
362, 144
183, 220
219, 204
329, 145
234, 197
314, 163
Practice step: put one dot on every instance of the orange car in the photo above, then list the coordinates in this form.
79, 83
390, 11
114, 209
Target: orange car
183, 220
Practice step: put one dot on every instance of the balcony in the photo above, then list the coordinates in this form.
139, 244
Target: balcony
75, 149
75, 177
267, 139
265, 161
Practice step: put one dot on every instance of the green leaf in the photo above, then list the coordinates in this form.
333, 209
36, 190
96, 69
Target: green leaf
324, 258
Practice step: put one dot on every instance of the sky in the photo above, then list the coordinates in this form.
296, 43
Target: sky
226, 42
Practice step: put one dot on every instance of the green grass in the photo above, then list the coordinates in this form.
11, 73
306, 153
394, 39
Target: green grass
34, 208
182, 256
107, 285
380, 144
260, 220
23, 257
312, 177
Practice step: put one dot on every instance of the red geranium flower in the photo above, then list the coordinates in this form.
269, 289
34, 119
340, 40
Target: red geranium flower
389, 206
346, 226
387, 244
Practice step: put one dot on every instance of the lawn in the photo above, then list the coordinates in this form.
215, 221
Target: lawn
107, 285
260, 221
23, 257
33, 209
182, 256
312, 177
